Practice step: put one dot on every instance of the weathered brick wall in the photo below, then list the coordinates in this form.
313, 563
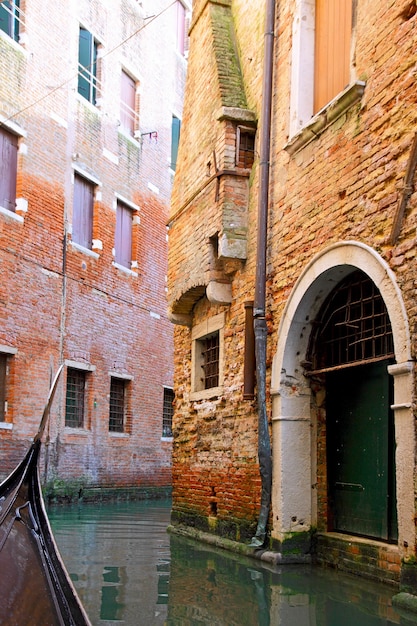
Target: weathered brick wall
214, 469
344, 185
215, 474
57, 302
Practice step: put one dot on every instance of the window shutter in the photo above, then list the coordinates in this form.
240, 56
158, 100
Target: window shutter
175, 139
128, 102
180, 28
3, 370
9, 18
84, 61
82, 219
8, 169
5, 18
333, 30
123, 237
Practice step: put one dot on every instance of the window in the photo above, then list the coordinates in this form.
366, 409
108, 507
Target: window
245, 147
82, 217
352, 326
128, 107
180, 21
333, 31
321, 54
75, 398
3, 374
87, 66
117, 405
175, 140
123, 237
210, 360
10, 18
207, 358
168, 411
8, 169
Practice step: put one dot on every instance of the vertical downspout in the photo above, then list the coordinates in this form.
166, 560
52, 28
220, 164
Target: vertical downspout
260, 327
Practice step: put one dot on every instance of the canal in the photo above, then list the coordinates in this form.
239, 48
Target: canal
128, 570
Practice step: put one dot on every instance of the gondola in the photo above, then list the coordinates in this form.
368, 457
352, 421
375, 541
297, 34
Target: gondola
35, 588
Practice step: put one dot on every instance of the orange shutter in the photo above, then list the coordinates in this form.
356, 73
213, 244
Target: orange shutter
332, 49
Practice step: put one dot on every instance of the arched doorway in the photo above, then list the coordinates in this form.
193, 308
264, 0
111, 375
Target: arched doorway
296, 500
350, 349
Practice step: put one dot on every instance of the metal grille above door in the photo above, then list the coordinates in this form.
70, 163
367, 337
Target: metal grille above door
352, 327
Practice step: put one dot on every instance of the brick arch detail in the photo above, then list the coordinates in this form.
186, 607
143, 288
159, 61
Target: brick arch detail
294, 502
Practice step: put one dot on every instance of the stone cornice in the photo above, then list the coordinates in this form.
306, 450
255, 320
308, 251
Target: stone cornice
325, 117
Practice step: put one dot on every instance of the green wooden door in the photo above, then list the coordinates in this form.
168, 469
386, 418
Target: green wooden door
360, 451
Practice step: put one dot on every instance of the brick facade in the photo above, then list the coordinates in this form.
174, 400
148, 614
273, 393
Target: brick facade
337, 202
61, 302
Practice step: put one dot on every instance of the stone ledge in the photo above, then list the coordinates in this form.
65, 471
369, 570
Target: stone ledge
236, 114
324, 118
405, 602
274, 558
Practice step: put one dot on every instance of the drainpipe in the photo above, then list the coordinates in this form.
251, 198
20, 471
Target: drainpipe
260, 327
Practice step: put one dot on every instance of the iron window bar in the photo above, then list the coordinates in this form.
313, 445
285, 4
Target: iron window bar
74, 405
245, 141
353, 328
168, 412
117, 405
210, 354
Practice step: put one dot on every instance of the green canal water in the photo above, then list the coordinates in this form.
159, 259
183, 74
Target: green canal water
128, 570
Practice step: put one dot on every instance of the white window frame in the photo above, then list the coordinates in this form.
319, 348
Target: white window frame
302, 77
198, 333
302, 65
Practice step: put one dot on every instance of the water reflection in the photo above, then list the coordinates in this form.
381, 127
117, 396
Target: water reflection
116, 555
127, 570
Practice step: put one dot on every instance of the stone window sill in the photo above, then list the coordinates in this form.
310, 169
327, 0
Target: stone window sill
324, 118
11, 215
86, 251
206, 394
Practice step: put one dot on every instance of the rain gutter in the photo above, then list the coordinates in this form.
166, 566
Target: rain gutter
259, 313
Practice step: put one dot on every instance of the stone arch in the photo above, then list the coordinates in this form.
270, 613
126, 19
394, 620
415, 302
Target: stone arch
293, 496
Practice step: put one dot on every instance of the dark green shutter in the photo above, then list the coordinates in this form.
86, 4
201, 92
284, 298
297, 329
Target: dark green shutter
87, 58
175, 139
9, 22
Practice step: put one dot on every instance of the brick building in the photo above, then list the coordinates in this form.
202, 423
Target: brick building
90, 106
339, 284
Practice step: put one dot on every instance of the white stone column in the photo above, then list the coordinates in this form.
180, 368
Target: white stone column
291, 441
405, 440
